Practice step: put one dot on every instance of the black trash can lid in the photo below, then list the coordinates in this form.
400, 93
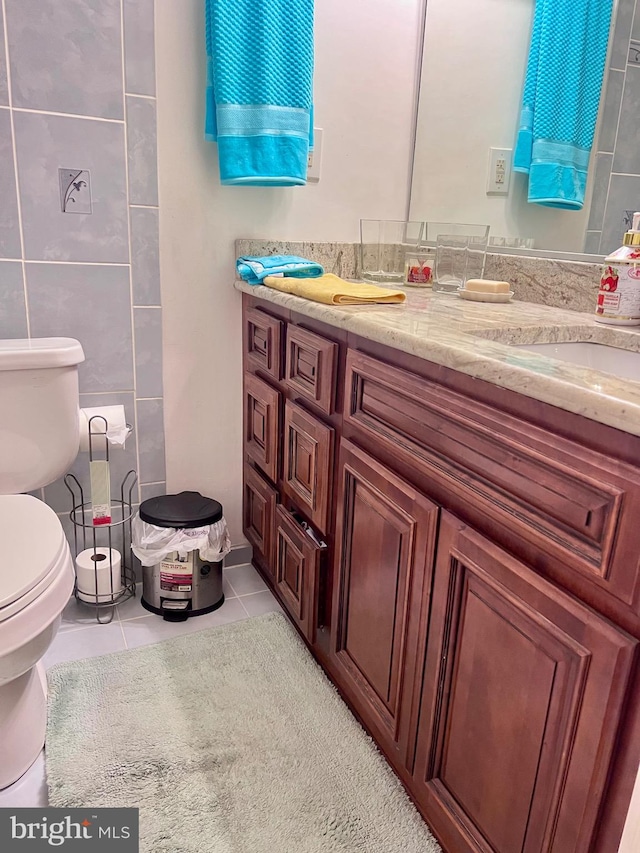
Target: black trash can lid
188, 509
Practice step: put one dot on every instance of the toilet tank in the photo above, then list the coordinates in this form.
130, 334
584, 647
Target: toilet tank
39, 432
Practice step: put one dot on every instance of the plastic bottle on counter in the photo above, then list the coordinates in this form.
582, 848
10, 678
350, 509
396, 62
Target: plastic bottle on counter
619, 294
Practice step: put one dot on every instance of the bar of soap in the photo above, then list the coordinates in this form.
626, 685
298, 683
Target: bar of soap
481, 285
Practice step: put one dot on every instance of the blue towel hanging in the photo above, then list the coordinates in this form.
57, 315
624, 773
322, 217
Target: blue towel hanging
259, 89
561, 98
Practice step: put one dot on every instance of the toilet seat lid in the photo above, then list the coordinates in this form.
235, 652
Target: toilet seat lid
32, 541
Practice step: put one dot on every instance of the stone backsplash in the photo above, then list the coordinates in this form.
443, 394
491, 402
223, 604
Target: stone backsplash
572, 285
338, 258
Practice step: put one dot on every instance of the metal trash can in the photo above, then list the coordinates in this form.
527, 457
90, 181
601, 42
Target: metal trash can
182, 586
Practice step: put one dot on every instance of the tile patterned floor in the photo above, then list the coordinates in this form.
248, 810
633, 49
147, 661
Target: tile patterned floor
132, 626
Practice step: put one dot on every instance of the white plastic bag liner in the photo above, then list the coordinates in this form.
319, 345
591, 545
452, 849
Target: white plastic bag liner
152, 544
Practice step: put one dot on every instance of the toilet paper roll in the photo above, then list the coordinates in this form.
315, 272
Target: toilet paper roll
117, 429
103, 565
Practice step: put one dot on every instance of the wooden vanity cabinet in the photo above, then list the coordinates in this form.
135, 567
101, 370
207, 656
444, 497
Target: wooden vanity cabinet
465, 566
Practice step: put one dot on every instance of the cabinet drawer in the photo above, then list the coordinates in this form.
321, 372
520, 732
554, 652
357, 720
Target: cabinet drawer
262, 424
311, 367
259, 504
529, 484
308, 463
297, 570
263, 342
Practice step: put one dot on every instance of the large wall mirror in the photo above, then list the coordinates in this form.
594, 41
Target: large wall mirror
473, 68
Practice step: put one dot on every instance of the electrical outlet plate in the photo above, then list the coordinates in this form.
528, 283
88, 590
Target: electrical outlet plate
75, 190
499, 176
314, 163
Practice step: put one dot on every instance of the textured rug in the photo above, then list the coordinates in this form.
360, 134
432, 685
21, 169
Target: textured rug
230, 740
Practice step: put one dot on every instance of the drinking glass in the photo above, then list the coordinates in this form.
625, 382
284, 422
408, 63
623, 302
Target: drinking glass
384, 245
461, 252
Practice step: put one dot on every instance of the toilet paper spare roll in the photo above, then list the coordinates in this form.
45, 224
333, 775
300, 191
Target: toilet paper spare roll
117, 429
103, 565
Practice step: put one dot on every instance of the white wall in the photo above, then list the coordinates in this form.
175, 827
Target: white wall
364, 96
471, 89
630, 842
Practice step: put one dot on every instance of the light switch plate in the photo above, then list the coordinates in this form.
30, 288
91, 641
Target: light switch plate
75, 190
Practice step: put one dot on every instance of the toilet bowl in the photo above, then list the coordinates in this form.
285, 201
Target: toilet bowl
39, 437
36, 582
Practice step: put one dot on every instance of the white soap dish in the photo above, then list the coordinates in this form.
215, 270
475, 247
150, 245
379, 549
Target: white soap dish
478, 296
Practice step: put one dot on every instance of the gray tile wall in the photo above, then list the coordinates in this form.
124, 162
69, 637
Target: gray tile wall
616, 186
73, 96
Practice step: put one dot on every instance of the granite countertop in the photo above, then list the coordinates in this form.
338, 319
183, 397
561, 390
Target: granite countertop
476, 338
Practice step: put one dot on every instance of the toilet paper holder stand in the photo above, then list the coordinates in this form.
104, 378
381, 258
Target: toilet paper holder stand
115, 535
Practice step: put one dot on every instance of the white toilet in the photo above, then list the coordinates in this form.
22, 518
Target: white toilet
39, 437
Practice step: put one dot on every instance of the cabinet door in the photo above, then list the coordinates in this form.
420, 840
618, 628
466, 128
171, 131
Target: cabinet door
385, 545
262, 342
297, 566
311, 367
262, 424
522, 694
308, 463
259, 503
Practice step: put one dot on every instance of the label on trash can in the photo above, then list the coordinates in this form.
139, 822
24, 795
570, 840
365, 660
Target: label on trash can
176, 572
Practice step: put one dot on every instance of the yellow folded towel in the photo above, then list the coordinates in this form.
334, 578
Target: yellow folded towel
333, 290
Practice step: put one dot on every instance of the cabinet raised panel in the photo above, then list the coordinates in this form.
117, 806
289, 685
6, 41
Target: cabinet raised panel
308, 462
522, 697
311, 367
262, 424
297, 571
386, 537
263, 342
259, 505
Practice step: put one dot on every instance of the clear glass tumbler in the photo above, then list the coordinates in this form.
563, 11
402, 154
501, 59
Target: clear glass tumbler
384, 244
461, 252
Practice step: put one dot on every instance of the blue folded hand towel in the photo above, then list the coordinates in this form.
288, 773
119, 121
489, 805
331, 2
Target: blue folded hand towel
259, 89
254, 270
561, 98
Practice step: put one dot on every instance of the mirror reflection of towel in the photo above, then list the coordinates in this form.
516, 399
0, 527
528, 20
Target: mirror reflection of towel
561, 98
